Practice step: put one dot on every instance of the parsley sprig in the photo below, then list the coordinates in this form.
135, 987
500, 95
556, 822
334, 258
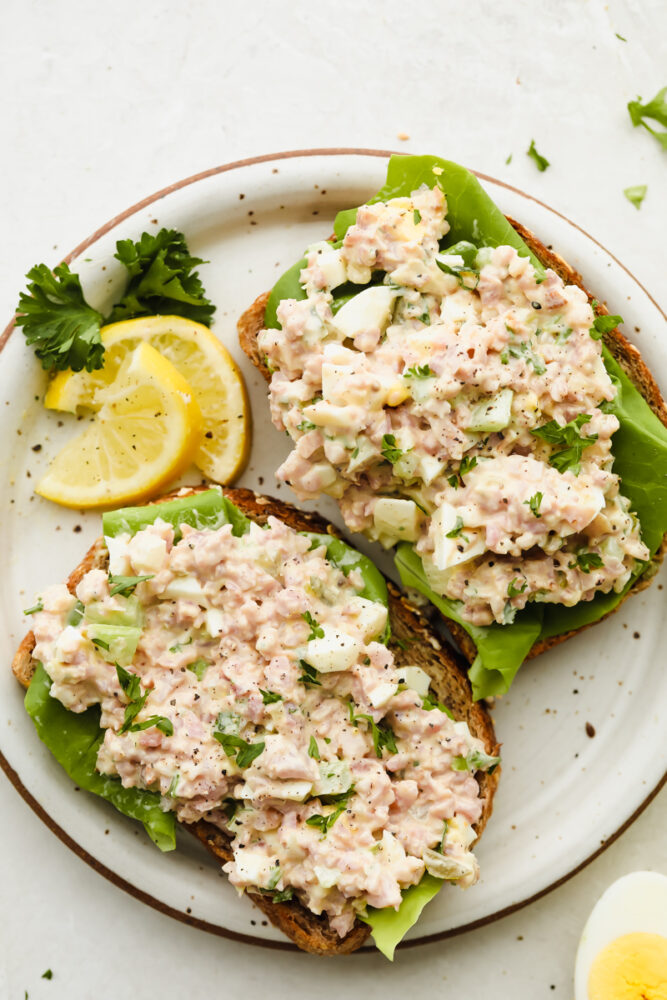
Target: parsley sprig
325, 822
65, 330
573, 444
389, 449
603, 324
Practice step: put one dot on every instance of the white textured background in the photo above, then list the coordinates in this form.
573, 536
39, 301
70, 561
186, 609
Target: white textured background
103, 103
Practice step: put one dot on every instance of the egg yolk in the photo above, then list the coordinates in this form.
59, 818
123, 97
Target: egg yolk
633, 967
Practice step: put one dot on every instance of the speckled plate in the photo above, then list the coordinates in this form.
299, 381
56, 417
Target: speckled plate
584, 747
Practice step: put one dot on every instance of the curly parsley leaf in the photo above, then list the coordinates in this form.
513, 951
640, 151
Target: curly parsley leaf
235, 747
58, 322
540, 161
655, 110
163, 279
636, 194
573, 443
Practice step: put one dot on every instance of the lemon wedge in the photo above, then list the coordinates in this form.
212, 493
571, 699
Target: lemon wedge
201, 359
145, 433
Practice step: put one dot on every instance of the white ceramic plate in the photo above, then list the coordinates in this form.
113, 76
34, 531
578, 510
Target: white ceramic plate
563, 794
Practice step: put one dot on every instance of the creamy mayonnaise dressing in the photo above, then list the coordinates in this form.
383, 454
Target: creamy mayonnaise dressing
416, 402
282, 719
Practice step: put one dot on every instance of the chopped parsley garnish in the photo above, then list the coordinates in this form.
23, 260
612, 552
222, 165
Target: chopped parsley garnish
620, 37
274, 879
270, 697
198, 668
309, 675
540, 161
131, 685
508, 160
173, 785
178, 646
316, 630
417, 216
48, 974
467, 463
604, 324
573, 443
534, 503
306, 425
124, 585
101, 643
454, 481
324, 823
313, 749
35, 608
425, 318
636, 194
655, 110
513, 591
65, 330
525, 351
586, 561
284, 895
476, 760
383, 737
389, 449
418, 371
428, 704
462, 272
457, 529
235, 747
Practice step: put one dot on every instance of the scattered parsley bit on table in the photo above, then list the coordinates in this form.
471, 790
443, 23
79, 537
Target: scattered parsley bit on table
636, 194
540, 161
656, 110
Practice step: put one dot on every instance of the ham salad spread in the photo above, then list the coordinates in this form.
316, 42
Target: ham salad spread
456, 402
245, 679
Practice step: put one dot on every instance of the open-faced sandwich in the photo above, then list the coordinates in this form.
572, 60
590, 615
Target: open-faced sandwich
227, 662
448, 379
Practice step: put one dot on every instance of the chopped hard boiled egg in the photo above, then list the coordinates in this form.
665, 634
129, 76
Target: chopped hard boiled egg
369, 310
334, 651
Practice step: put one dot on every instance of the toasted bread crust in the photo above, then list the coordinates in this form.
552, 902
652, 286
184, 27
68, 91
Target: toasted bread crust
625, 353
417, 644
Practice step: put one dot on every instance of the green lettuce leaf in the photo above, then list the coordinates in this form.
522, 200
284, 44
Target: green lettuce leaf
389, 927
74, 740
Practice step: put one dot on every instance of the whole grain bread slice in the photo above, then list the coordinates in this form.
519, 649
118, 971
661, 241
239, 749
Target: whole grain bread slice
625, 353
413, 642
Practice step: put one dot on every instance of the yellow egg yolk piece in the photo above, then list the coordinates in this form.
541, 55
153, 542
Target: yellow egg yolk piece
633, 967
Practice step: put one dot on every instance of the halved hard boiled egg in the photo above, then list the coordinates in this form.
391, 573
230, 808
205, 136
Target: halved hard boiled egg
622, 954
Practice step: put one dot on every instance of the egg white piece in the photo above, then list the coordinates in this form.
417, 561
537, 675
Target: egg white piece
635, 903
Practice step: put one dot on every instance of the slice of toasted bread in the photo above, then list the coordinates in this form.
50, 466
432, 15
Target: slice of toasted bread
625, 353
413, 642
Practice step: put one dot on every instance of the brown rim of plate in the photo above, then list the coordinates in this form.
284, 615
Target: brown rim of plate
69, 841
